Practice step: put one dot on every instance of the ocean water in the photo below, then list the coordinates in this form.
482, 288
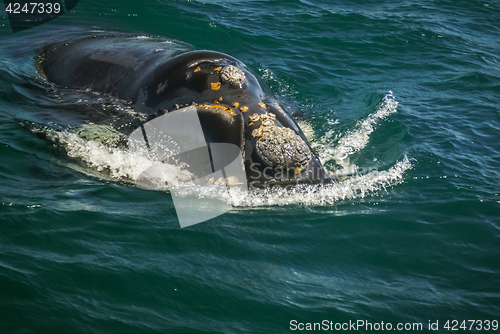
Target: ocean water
401, 96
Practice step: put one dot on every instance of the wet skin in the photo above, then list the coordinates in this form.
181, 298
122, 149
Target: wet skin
235, 108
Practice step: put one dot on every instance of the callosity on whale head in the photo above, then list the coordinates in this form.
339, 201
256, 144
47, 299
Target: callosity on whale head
232, 104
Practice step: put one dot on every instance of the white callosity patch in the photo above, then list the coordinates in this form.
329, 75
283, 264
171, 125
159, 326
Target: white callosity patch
101, 133
233, 75
279, 146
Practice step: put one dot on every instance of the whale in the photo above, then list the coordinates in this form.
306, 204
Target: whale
233, 104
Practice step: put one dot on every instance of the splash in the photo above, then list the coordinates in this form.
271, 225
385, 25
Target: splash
118, 164
122, 164
358, 186
355, 140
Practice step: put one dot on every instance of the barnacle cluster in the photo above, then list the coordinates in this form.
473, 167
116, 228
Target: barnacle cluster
232, 75
280, 146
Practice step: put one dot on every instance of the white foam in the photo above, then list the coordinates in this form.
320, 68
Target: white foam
356, 139
124, 165
115, 163
358, 186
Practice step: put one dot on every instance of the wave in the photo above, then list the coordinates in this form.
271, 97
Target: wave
122, 164
356, 139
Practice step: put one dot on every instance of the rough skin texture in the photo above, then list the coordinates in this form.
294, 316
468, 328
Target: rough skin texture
233, 75
280, 146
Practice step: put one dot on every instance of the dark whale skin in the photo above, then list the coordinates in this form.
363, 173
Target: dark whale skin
159, 80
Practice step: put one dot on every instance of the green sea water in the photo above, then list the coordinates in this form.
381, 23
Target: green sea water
402, 96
